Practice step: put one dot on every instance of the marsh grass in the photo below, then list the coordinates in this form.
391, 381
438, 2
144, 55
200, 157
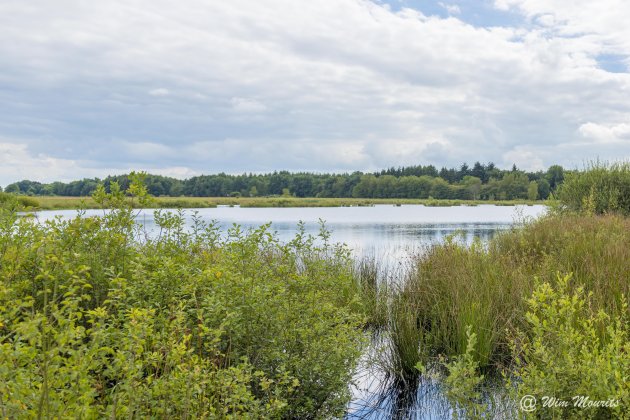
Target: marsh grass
453, 286
373, 291
461, 312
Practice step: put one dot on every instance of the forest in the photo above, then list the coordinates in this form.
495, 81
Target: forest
479, 182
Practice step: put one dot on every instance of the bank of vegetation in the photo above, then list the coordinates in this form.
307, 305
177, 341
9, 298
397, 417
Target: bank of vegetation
98, 320
543, 304
64, 203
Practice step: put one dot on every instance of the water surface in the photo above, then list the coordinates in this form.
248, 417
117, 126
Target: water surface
383, 229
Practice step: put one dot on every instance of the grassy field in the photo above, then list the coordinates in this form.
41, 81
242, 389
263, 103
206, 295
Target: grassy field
60, 203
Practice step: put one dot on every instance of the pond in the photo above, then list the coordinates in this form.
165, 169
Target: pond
386, 231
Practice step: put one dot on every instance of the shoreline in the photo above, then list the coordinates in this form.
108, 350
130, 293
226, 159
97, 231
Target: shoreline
71, 203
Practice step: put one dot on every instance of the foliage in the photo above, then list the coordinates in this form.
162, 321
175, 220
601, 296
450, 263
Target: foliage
17, 202
98, 319
463, 380
532, 191
485, 182
562, 355
601, 188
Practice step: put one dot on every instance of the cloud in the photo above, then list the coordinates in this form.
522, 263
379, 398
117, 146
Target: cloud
602, 133
452, 9
289, 84
524, 157
18, 163
159, 92
603, 21
247, 105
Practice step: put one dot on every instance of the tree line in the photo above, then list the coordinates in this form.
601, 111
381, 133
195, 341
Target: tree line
479, 182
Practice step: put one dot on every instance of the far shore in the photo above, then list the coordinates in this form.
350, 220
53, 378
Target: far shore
69, 203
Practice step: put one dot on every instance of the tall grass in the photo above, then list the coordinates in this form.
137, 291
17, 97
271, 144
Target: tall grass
454, 286
368, 272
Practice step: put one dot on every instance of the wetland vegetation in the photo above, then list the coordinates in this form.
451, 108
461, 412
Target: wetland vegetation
97, 318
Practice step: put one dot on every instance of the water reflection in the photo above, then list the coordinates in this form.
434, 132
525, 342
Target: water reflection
379, 230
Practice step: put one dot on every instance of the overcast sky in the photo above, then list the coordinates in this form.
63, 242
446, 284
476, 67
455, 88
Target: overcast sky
186, 87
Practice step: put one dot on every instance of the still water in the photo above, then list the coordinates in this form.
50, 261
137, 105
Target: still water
381, 229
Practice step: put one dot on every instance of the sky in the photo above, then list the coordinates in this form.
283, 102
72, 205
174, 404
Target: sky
194, 87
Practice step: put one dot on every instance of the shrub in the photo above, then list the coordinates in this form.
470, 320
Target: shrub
561, 355
463, 381
98, 319
28, 202
599, 189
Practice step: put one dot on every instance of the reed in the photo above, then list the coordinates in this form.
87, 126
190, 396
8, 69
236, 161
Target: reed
454, 286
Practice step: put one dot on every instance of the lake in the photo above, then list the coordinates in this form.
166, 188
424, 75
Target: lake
385, 230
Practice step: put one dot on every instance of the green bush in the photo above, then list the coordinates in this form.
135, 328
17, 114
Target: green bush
562, 356
599, 189
463, 381
17, 202
28, 202
96, 319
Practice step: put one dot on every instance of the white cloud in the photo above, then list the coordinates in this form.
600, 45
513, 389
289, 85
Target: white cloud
332, 84
247, 105
525, 158
605, 21
603, 133
452, 9
159, 92
18, 163
178, 172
